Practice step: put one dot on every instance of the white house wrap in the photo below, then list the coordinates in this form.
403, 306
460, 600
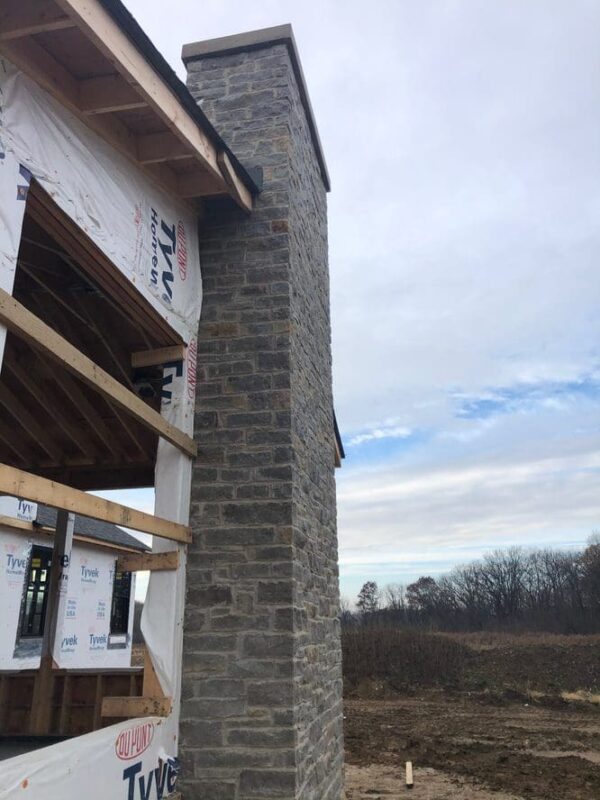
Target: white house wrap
152, 239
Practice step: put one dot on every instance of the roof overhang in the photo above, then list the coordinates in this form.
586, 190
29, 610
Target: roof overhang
93, 57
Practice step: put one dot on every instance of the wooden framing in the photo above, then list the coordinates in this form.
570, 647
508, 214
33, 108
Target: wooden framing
29, 17
156, 358
44, 339
17, 483
136, 707
155, 562
134, 84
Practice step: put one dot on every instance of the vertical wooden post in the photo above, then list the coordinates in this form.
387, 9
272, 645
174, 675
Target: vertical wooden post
41, 705
98, 702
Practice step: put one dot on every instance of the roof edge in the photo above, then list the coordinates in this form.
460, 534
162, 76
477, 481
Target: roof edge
139, 38
256, 40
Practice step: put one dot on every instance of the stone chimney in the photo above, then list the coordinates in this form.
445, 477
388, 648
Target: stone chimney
262, 683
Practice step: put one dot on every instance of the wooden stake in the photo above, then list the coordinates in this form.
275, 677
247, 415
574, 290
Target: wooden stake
409, 775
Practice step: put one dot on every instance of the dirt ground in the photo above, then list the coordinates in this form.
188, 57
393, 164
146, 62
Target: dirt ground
473, 746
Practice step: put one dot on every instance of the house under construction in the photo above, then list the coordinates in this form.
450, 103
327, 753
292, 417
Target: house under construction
164, 322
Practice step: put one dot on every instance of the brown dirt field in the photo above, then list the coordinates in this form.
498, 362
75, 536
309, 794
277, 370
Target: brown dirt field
473, 746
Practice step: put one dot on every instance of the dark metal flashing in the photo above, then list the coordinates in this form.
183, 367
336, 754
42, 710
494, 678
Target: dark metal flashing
255, 40
128, 24
338, 437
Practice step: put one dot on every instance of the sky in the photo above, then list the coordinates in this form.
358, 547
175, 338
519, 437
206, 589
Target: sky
463, 142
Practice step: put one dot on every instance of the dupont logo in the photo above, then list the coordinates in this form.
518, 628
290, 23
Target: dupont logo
181, 251
134, 741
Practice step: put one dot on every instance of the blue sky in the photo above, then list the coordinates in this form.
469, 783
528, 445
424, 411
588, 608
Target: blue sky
462, 137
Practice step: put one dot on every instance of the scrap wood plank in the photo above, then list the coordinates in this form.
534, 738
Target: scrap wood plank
154, 562
42, 337
22, 484
133, 707
409, 775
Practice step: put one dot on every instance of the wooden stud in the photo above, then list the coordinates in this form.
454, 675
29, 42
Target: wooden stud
133, 707
155, 562
28, 17
35, 332
409, 775
151, 685
65, 706
156, 358
17, 483
97, 720
106, 94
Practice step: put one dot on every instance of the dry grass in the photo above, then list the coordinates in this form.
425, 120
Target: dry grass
494, 640
400, 658
581, 696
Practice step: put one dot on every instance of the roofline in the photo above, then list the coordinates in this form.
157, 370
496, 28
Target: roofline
137, 36
256, 40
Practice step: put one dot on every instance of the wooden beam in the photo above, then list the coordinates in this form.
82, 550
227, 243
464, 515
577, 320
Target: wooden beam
156, 147
28, 17
44, 339
156, 358
133, 707
240, 194
106, 94
139, 562
18, 524
17, 483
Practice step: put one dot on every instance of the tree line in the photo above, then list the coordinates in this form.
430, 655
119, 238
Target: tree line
513, 589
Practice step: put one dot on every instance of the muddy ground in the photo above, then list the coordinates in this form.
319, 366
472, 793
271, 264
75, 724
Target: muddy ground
473, 746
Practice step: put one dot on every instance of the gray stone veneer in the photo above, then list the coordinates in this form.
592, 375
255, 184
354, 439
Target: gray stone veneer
262, 687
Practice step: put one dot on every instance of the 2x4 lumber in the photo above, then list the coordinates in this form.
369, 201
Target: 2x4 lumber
133, 707
28, 17
156, 147
106, 94
100, 27
154, 562
150, 684
36, 333
158, 357
22, 484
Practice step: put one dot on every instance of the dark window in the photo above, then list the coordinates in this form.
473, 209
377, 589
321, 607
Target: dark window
119, 612
35, 599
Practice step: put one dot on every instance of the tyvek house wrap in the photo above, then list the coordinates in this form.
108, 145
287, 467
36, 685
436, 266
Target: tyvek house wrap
152, 239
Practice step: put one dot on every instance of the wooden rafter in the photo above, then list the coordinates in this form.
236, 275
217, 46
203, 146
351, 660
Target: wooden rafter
29, 17
71, 389
16, 409
22, 484
106, 94
48, 407
44, 339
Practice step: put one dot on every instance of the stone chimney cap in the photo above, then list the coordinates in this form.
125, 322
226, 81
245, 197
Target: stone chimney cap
255, 40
